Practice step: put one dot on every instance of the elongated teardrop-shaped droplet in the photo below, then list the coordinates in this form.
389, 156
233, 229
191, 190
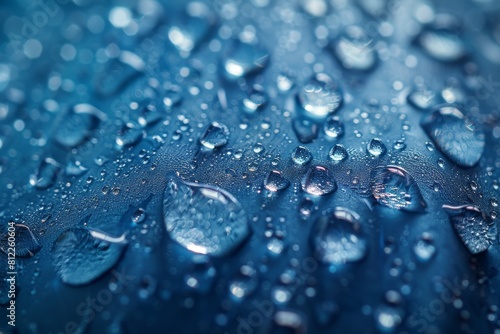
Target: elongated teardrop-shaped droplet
46, 174
215, 135
472, 226
26, 245
394, 187
203, 218
455, 135
275, 181
318, 181
320, 96
81, 256
244, 59
78, 125
354, 50
337, 237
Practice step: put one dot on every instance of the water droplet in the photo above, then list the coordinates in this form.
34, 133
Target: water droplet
288, 321
275, 181
337, 238
26, 245
129, 135
77, 125
256, 99
275, 246
338, 153
148, 114
244, 284
394, 187
139, 216
305, 130
455, 135
424, 248
442, 41
376, 147
320, 96
301, 155
473, 228
318, 181
423, 98
203, 218
399, 145
244, 59
202, 276
215, 135
81, 256
284, 82
354, 50
333, 127
191, 27
46, 174
387, 317
118, 74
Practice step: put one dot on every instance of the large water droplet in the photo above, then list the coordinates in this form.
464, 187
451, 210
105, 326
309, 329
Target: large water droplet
215, 135
472, 226
320, 96
394, 187
355, 50
442, 41
275, 181
337, 237
77, 125
46, 174
244, 59
318, 181
455, 135
26, 245
203, 218
81, 256
301, 155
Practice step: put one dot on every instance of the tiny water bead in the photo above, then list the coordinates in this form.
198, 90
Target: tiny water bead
461, 140
318, 181
301, 155
320, 96
394, 187
337, 237
215, 135
376, 147
472, 227
338, 153
244, 59
80, 256
275, 181
204, 219
354, 50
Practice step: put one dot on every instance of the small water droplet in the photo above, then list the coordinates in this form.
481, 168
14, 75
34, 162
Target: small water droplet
394, 187
305, 130
399, 145
376, 147
118, 73
301, 155
442, 41
424, 248
46, 174
354, 50
318, 181
244, 59
338, 153
215, 135
129, 135
77, 125
333, 127
256, 100
422, 97
275, 181
139, 216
